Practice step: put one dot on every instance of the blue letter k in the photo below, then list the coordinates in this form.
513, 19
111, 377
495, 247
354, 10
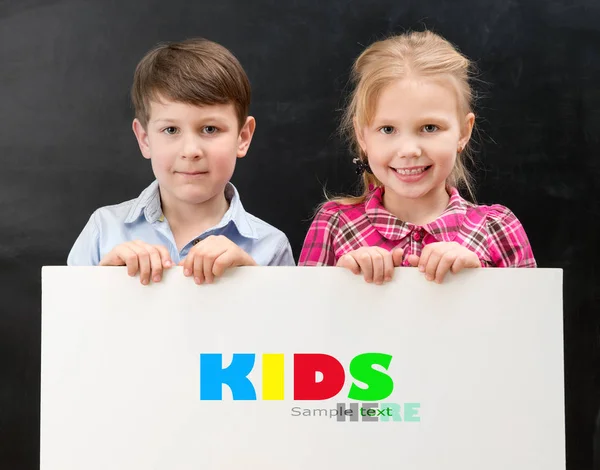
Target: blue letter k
213, 377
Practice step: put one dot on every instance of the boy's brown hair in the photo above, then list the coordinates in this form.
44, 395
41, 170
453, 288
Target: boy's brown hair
195, 71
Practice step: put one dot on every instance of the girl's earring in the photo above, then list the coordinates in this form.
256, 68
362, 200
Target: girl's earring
361, 166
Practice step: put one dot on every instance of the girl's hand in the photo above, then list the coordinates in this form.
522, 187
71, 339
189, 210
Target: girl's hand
438, 258
376, 264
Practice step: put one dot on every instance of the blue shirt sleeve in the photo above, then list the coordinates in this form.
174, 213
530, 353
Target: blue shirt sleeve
86, 250
283, 256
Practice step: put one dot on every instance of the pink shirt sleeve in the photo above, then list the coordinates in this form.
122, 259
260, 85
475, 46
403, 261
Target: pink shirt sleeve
318, 249
508, 243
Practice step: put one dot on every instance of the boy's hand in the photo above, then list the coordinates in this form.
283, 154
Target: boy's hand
375, 263
139, 256
212, 256
438, 258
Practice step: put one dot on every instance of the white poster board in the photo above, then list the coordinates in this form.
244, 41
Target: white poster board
477, 370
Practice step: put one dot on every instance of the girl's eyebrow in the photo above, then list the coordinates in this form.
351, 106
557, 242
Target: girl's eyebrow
435, 118
421, 119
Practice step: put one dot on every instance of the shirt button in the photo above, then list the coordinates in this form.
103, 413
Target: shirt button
416, 236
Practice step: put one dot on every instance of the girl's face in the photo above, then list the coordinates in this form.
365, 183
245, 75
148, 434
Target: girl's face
413, 139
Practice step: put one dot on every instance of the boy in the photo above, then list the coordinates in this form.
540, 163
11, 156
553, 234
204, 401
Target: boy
191, 121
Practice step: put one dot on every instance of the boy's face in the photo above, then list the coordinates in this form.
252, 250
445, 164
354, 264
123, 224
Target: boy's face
193, 149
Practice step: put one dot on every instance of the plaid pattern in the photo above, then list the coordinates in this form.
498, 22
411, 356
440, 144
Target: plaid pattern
493, 232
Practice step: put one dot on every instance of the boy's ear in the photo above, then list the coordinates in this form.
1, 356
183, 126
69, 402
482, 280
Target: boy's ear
467, 130
142, 137
245, 136
359, 135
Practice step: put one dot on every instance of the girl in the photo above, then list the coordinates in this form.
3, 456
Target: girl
410, 120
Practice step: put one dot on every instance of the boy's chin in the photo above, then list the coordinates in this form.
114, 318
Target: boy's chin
195, 196
191, 193
196, 199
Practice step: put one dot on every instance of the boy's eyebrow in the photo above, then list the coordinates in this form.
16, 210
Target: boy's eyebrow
163, 120
203, 119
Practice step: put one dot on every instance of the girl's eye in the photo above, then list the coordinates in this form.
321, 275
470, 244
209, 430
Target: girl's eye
210, 130
386, 130
430, 128
170, 130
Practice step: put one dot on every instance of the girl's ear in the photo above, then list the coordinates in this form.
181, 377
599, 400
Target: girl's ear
467, 131
358, 131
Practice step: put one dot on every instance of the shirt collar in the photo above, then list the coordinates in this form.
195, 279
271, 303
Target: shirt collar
148, 205
444, 228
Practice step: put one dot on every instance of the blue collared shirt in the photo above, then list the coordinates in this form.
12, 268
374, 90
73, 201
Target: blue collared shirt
142, 219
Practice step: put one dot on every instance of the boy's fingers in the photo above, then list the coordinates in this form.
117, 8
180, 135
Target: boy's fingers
227, 260
231, 255
150, 261
144, 263
198, 269
207, 267
139, 257
130, 257
118, 256
165, 256
112, 259
156, 264
188, 264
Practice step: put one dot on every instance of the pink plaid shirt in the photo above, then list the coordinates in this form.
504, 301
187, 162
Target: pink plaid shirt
493, 232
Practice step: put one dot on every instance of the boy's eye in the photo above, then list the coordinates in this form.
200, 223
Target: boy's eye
387, 130
170, 130
430, 128
209, 129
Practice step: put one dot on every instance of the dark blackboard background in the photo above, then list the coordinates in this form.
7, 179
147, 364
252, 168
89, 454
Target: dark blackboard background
66, 146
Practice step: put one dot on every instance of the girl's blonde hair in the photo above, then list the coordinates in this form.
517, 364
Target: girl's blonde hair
420, 54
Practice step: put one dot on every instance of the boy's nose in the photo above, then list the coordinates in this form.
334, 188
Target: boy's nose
191, 149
